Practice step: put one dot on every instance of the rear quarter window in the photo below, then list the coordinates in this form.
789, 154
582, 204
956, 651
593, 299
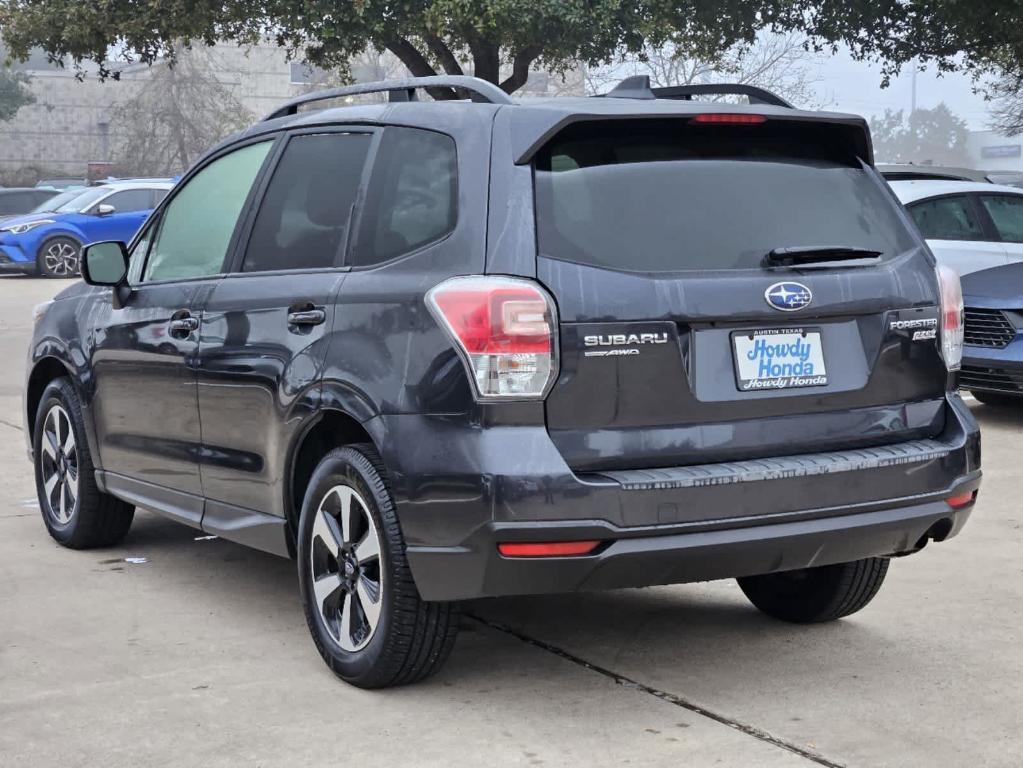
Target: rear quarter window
671, 197
412, 196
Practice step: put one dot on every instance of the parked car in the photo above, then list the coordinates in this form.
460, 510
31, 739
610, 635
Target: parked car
911, 172
48, 243
455, 349
968, 226
61, 184
993, 355
15, 201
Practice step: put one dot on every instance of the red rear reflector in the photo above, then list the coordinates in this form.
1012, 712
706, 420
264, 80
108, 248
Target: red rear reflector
717, 118
962, 500
547, 549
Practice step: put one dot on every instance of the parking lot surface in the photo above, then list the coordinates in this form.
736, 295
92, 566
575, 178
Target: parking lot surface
176, 649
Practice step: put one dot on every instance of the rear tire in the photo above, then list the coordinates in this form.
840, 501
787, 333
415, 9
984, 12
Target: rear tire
997, 400
59, 257
360, 602
76, 513
815, 595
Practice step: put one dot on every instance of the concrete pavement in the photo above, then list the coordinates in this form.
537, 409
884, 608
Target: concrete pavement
200, 655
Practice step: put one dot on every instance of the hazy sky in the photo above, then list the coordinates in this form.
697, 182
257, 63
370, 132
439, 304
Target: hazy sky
846, 85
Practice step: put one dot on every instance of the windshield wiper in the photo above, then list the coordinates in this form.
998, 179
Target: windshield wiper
817, 254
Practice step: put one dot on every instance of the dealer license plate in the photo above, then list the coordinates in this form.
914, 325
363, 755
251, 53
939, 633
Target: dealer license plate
779, 359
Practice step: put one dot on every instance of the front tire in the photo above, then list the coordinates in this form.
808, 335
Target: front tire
360, 602
59, 257
75, 512
815, 595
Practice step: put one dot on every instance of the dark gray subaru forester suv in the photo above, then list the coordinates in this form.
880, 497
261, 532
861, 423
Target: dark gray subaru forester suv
439, 350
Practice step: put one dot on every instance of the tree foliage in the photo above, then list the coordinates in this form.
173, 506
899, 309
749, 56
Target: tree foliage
500, 39
14, 93
925, 137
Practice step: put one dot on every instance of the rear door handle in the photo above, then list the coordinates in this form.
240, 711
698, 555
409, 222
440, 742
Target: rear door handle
182, 324
306, 317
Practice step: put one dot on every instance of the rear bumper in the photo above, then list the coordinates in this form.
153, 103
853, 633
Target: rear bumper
631, 560
463, 489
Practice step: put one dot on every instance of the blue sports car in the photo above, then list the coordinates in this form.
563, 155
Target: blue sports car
49, 240
993, 351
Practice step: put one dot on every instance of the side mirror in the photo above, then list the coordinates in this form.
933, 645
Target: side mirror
105, 263
105, 209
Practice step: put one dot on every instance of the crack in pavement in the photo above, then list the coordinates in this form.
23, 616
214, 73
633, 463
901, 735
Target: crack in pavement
671, 698
8, 424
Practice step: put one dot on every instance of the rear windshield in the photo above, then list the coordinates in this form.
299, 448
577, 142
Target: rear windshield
664, 197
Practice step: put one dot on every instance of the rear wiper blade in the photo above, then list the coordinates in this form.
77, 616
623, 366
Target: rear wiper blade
791, 257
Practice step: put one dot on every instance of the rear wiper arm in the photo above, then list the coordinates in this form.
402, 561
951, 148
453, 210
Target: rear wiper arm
813, 254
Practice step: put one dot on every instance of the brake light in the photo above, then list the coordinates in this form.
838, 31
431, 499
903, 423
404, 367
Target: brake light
718, 118
547, 549
504, 329
952, 317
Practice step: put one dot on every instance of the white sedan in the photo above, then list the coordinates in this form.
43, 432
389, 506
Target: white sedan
970, 226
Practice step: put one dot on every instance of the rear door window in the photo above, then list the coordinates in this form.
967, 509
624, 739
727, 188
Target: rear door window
948, 218
1006, 212
665, 196
304, 218
412, 195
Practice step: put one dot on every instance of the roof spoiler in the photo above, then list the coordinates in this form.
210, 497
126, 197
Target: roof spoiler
401, 90
638, 87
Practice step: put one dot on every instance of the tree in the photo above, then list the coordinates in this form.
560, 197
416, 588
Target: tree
14, 93
926, 137
1007, 115
176, 115
780, 63
452, 36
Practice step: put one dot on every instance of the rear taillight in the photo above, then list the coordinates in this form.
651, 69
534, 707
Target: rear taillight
952, 317
505, 330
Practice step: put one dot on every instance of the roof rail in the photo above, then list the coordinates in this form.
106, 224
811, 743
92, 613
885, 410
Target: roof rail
638, 87
401, 90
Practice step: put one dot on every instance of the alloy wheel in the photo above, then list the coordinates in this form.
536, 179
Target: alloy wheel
61, 258
347, 576
59, 457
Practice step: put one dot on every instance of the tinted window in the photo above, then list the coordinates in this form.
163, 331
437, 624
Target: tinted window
304, 218
667, 197
1007, 213
195, 228
130, 200
412, 195
948, 218
16, 202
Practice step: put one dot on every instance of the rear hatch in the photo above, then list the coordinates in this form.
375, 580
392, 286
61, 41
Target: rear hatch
682, 342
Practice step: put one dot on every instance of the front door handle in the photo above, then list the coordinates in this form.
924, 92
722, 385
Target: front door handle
182, 324
312, 316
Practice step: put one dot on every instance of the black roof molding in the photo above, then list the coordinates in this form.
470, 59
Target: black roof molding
400, 90
638, 87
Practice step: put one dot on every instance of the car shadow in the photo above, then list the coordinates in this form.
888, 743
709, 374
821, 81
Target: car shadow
631, 632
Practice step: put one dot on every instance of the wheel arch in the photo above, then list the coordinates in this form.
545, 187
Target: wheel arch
330, 428
45, 369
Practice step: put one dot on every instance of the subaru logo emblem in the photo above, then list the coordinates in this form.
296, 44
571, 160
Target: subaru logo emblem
788, 297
